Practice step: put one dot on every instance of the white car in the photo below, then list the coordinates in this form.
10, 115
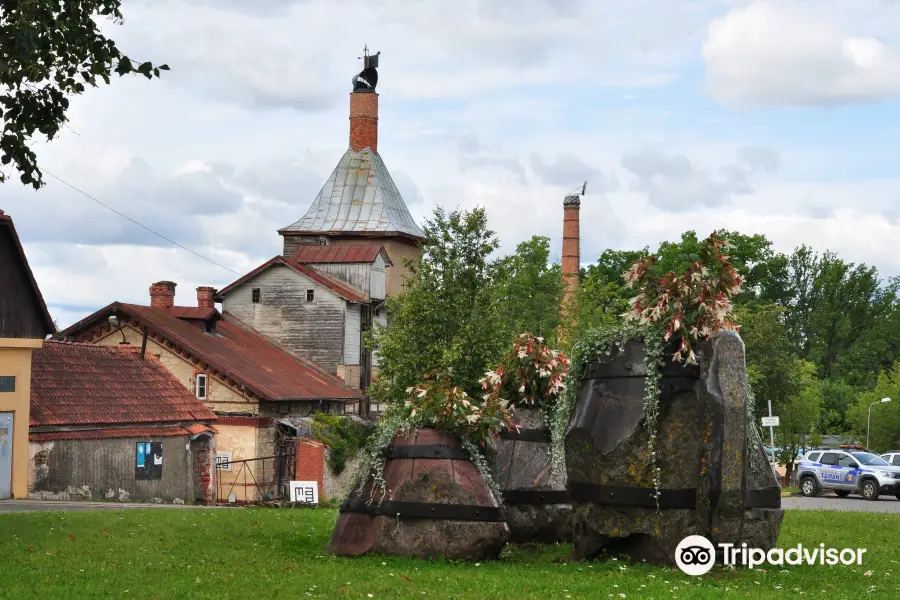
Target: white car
847, 472
892, 457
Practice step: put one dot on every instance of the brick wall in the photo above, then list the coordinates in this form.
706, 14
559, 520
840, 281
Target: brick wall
311, 463
364, 121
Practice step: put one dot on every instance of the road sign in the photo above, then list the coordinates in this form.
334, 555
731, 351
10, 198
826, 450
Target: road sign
770, 421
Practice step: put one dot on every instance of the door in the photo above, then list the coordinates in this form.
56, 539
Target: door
849, 471
831, 473
6, 452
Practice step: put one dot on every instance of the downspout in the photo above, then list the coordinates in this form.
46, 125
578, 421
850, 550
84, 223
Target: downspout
144, 343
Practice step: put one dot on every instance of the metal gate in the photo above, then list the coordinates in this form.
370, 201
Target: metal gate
259, 479
6, 454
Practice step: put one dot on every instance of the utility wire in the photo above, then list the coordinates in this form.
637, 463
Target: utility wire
156, 233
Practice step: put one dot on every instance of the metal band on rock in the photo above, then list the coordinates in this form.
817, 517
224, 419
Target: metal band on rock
631, 496
535, 497
432, 451
526, 435
764, 498
425, 510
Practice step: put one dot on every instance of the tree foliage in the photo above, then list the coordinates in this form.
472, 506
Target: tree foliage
50, 51
445, 319
799, 417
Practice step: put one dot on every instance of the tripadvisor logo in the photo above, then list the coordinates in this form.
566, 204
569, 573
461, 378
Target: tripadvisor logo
696, 555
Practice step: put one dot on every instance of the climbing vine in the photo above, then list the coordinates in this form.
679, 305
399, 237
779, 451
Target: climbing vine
438, 404
342, 435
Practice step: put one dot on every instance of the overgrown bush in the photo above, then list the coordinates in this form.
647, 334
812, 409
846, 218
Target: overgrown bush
343, 436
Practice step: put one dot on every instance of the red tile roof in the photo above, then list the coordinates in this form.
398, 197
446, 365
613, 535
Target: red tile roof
362, 253
125, 432
86, 384
342, 290
6, 221
236, 351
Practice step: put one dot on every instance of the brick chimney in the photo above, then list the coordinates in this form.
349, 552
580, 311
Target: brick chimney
162, 294
206, 297
571, 253
364, 120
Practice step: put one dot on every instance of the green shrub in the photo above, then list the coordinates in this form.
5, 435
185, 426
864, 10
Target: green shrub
343, 436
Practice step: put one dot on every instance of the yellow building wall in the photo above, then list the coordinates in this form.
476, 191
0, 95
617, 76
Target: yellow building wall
220, 397
15, 360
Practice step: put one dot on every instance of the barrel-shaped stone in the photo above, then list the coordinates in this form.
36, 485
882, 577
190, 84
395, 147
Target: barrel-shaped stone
534, 493
436, 504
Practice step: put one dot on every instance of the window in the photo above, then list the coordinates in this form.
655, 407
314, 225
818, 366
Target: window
896, 460
847, 461
829, 458
223, 461
814, 457
256, 296
310, 296
7, 383
200, 385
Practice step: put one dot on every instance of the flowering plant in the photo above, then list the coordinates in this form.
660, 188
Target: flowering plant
437, 403
531, 374
692, 305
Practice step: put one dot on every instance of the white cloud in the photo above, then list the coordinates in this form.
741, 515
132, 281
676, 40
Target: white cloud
788, 52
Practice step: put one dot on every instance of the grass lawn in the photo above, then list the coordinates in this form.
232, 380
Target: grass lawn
269, 553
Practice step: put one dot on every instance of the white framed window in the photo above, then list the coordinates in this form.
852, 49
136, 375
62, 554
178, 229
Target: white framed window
310, 296
201, 385
223, 461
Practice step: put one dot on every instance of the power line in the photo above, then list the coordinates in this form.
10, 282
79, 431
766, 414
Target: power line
156, 233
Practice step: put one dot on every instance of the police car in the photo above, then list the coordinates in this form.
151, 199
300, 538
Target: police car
847, 472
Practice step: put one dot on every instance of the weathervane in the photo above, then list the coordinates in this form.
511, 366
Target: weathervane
574, 198
367, 79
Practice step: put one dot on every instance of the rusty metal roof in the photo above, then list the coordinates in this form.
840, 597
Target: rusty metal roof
359, 198
361, 253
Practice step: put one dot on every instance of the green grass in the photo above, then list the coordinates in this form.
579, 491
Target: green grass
271, 553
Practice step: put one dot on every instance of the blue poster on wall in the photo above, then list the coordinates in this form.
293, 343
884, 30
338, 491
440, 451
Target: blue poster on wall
140, 454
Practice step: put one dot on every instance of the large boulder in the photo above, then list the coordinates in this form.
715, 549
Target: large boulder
712, 482
534, 493
436, 504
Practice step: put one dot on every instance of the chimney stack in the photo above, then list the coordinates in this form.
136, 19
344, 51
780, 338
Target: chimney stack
206, 297
571, 252
364, 121
364, 105
162, 294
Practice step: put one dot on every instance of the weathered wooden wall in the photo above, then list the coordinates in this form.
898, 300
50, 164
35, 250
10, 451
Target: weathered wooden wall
314, 330
109, 464
21, 315
351, 335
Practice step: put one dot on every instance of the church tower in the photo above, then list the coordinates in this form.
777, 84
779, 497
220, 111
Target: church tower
359, 204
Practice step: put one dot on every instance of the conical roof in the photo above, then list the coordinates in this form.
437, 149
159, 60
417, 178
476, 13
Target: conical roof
359, 198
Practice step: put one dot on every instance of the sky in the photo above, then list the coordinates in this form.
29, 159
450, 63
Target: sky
774, 117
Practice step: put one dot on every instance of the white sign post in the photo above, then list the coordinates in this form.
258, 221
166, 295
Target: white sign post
305, 492
770, 422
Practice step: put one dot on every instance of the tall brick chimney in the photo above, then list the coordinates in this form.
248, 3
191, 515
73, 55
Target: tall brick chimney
364, 105
364, 121
571, 252
206, 297
162, 294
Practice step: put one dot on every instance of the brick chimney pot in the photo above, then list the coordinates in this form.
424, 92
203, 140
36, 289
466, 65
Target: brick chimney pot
206, 297
162, 294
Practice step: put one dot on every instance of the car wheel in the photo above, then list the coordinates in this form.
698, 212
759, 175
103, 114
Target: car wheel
868, 489
842, 493
809, 487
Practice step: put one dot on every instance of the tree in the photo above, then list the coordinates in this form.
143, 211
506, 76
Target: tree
885, 428
528, 290
48, 52
799, 417
445, 319
771, 359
